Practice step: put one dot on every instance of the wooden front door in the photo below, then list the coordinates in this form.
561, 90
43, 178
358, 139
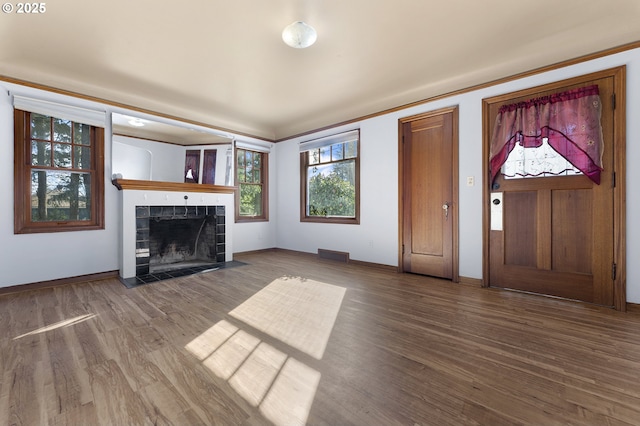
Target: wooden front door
555, 235
429, 203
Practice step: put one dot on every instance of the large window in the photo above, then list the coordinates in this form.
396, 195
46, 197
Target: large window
251, 180
59, 174
330, 186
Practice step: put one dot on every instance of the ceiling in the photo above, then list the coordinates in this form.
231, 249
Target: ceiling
223, 63
160, 131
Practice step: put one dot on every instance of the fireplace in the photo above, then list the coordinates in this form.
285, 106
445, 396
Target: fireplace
175, 238
193, 209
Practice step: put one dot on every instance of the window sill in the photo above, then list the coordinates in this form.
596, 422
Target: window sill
251, 219
341, 220
48, 227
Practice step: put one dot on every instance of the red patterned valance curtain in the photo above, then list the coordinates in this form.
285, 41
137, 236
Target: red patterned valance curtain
570, 120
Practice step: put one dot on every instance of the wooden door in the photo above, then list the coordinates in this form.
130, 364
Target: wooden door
429, 207
557, 233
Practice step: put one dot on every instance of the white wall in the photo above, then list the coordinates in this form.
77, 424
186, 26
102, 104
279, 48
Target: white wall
376, 238
32, 258
153, 160
250, 236
42, 257
130, 162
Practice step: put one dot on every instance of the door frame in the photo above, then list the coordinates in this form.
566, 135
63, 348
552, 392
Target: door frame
619, 207
454, 184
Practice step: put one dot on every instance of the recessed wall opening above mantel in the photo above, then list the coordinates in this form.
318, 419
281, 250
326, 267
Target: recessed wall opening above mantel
154, 149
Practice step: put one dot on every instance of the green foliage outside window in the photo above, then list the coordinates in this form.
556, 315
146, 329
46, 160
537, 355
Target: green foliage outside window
60, 169
333, 193
331, 180
250, 180
250, 200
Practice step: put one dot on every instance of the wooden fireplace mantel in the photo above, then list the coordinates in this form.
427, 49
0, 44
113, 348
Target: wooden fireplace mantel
150, 185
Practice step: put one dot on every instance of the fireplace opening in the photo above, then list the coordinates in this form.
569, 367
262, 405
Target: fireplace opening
181, 242
171, 238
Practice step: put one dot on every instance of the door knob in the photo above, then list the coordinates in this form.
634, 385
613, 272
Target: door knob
445, 207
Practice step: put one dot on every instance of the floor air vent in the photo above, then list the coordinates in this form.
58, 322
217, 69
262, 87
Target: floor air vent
340, 256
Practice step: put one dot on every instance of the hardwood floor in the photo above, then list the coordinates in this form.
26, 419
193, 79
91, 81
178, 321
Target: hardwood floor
368, 347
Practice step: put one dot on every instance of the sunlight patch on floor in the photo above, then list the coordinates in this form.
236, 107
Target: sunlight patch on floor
229, 357
290, 398
296, 311
206, 343
258, 373
59, 324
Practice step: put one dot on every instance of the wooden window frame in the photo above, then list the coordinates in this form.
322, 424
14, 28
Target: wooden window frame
303, 192
264, 182
22, 182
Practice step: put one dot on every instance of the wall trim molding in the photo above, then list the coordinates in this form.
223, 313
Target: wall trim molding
58, 282
633, 308
474, 282
320, 259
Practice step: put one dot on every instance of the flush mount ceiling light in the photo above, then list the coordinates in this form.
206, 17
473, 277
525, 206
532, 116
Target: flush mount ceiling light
299, 35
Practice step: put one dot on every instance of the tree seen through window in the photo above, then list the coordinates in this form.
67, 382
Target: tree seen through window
60, 169
58, 175
251, 182
331, 181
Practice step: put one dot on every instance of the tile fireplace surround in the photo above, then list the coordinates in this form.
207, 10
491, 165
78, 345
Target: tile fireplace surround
173, 196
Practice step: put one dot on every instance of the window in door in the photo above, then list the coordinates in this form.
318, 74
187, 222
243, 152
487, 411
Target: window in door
544, 131
542, 161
